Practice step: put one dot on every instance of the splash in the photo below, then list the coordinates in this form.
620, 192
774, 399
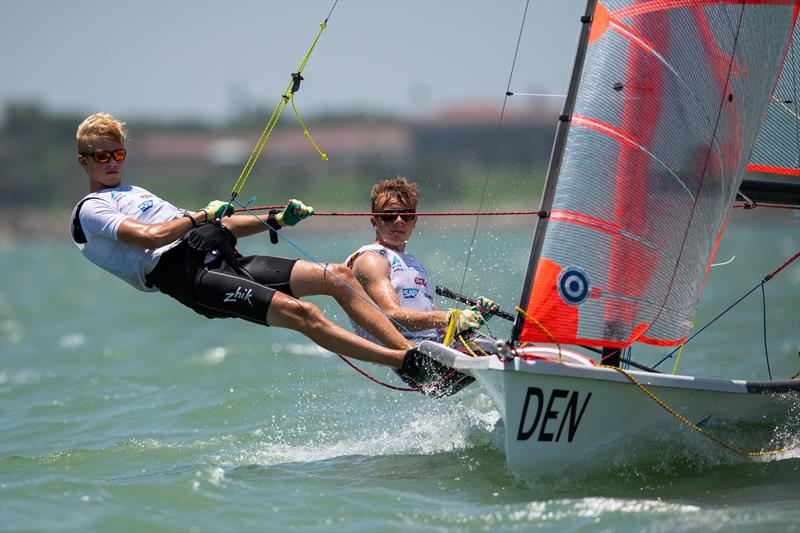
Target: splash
424, 430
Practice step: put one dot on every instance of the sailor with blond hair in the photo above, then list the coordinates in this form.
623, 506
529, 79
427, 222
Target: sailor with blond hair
191, 256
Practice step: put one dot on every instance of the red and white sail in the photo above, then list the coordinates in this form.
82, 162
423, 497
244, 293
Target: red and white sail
659, 134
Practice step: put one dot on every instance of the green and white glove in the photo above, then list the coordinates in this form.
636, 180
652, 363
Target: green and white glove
217, 209
466, 320
487, 307
294, 212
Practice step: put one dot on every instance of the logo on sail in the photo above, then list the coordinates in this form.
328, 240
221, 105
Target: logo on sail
573, 285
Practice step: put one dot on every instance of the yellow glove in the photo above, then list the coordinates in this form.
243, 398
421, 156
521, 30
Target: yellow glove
294, 212
217, 209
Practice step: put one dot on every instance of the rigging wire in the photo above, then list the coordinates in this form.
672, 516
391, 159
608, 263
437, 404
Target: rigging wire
493, 150
764, 322
767, 278
324, 266
287, 97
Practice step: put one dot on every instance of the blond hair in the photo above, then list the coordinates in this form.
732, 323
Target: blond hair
96, 127
399, 188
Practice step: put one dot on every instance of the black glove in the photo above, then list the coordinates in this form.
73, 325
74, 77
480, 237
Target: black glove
431, 376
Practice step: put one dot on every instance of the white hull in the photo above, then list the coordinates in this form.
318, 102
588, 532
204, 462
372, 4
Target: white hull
558, 414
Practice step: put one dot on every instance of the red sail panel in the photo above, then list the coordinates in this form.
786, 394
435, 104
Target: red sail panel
666, 115
777, 149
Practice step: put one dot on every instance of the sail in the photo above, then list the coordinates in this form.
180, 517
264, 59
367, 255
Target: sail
777, 149
666, 112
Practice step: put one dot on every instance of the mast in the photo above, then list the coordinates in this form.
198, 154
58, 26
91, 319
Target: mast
555, 161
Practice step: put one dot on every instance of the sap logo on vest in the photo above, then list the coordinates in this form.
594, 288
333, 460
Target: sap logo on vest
552, 419
410, 294
144, 206
421, 281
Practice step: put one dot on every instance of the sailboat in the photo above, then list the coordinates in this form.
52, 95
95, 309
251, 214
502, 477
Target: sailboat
667, 101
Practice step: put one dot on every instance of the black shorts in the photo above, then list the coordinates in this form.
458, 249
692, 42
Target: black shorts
216, 290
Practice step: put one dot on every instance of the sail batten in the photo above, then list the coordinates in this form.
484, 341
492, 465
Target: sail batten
666, 113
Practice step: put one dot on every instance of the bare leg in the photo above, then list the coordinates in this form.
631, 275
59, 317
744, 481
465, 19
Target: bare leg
339, 281
305, 317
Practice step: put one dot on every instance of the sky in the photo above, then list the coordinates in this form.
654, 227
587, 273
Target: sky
210, 59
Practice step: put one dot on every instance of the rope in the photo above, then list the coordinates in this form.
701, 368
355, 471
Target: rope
699, 430
379, 382
773, 206
493, 150
319, 263
541, 326
419, 214
764, 316
767, 278
784, 265
286, 97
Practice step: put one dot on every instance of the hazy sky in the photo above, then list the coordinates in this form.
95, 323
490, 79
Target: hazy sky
209, 58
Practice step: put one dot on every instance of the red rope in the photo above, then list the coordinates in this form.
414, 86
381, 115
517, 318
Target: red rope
466, 213
787, 263
773, 206
401, 389
379, 382
431, 214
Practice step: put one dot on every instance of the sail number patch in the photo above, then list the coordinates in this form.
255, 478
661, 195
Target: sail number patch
550, 414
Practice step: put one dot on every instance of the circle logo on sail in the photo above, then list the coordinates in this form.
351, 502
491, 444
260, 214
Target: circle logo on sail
573, 285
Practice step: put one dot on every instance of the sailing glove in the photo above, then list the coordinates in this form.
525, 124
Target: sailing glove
487, 307
217, 209
294, 212
466, 320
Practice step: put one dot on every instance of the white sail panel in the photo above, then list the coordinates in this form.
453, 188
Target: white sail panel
668, 107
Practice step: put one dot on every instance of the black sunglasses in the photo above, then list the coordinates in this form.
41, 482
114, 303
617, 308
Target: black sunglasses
103, 157
406, 215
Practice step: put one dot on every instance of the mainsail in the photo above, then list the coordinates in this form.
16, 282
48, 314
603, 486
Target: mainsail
657, 133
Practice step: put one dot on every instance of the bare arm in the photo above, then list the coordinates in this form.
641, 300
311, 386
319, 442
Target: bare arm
245, 225
372, 271
153, 236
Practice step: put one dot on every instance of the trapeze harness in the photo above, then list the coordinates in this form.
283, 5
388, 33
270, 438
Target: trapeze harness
410, 281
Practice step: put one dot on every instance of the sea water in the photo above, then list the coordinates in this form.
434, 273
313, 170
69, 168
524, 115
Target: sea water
123, 411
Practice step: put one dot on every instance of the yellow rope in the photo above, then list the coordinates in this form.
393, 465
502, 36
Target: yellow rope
483, 352
464, 343
680, 352
306, 133
286, 97
689, 424
541, 326
451, 327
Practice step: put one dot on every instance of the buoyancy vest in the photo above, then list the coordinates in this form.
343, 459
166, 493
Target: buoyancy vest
411, 284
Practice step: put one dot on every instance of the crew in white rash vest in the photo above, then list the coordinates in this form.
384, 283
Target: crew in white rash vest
396, 280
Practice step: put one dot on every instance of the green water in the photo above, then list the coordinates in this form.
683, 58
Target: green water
122, 411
